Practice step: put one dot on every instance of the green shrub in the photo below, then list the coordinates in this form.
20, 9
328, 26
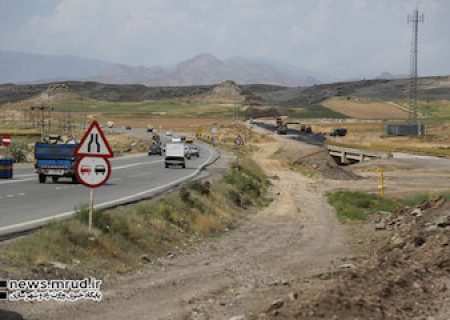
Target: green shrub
355, 205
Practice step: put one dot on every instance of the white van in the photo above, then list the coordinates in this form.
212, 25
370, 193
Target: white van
175, 155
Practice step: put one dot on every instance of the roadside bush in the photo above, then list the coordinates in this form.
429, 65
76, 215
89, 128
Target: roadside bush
185, 195
235, 198
202, 188
77, 233
356, 205
18, 151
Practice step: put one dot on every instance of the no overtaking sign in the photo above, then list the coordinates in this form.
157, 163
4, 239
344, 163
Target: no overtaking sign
93, 168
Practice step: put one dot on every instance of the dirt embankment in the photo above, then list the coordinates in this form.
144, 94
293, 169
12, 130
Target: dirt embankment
405, 277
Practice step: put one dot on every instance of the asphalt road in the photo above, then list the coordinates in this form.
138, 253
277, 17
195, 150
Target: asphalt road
25, 203
308, 138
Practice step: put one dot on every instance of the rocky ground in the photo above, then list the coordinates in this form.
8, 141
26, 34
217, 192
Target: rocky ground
405, 277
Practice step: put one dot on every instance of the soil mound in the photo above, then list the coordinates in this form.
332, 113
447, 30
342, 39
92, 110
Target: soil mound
406, 277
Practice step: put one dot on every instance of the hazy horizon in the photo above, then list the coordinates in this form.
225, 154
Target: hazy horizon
341, 39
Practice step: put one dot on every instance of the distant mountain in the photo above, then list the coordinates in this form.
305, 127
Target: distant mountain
386, 75
123, 74
20, 67
309, 76
203, 69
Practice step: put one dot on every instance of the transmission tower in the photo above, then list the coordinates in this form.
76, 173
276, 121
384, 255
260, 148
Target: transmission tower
414, 18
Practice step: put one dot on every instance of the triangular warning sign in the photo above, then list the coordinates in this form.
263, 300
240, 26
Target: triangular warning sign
94, 143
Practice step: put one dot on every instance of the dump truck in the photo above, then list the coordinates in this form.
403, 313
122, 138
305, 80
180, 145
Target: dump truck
175, 155
55, 161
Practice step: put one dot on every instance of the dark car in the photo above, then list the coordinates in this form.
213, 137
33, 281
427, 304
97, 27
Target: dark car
341, 132
100, 169
127, 127
155, 150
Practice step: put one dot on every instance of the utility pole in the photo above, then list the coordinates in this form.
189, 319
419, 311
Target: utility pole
414, 18
40, 119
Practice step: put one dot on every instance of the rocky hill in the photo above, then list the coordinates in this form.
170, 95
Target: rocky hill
429, 88
203, 69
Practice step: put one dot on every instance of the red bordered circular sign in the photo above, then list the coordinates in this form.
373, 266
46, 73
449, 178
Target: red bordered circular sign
93, 171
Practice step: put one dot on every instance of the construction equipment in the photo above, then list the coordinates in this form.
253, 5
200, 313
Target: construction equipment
282, 125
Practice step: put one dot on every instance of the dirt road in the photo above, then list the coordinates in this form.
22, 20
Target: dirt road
236, 274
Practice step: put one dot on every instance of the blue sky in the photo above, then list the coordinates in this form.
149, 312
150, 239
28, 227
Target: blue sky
341, 38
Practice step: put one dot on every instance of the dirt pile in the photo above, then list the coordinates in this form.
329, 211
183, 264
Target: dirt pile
319, 162
406, 277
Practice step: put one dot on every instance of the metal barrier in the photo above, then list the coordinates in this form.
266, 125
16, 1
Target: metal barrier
6, 168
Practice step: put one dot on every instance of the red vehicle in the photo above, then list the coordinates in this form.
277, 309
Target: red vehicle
85, 170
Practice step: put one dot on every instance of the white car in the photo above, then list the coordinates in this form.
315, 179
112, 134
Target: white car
193, 150
169, 133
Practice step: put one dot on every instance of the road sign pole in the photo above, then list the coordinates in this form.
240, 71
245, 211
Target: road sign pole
93, 168
91, 207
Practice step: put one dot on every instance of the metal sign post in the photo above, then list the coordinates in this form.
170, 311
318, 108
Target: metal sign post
93, 168
91, 207
381, 186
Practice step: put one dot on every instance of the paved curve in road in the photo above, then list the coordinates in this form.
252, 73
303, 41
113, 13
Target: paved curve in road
25, 203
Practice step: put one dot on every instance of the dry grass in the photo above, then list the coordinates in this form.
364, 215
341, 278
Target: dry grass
360, 108
206, 224
122, 143
151, 228
370, 136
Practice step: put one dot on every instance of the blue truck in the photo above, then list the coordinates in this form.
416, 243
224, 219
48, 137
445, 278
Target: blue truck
55, 161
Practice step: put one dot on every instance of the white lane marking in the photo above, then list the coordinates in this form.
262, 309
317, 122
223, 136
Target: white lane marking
24, 175
136, 164
137, 155
9, 195
15, 181
21, 194
39, 222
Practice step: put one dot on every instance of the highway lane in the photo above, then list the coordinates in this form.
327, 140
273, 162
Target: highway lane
25, 203
295, 134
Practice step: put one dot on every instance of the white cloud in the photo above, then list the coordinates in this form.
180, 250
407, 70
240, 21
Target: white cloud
338, 37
